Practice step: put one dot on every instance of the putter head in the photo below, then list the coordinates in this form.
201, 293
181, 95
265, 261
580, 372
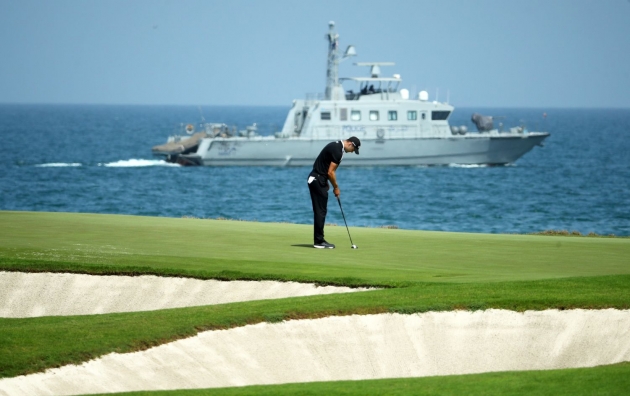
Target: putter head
354, 246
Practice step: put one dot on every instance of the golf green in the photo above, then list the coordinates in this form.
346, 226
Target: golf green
418, 271
283, 251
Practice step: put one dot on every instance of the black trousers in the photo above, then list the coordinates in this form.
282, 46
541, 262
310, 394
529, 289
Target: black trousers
318, 188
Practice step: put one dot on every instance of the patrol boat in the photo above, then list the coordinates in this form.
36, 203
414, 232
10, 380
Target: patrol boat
394, 129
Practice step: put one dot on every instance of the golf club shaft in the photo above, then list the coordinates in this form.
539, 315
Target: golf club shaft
344, 220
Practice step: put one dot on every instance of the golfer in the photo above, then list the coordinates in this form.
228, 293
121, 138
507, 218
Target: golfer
323, 171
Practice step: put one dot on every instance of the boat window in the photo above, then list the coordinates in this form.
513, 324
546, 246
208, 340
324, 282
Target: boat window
440, 115
424, 116
412, 115
392, 115
355, 115
373, 115
325, 115
343, 114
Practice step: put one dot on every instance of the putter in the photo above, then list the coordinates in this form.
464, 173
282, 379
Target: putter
344, 220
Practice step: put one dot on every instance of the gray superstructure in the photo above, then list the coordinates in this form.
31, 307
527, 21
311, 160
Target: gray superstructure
394, 129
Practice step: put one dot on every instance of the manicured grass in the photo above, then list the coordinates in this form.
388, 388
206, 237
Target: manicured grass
602, 380
244, 250
420, 271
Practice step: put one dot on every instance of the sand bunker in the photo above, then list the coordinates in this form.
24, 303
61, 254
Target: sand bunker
25, 295
352, 348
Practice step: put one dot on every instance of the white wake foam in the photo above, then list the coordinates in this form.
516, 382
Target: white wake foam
137, 163
58, 165
467, 165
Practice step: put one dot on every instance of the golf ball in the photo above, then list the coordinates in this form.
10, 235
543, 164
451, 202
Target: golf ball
354, 246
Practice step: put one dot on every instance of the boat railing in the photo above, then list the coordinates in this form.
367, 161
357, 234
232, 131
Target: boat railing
265, 129
224, 130
377, 132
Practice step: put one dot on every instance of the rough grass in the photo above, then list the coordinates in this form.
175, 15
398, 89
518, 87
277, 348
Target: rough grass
420, 271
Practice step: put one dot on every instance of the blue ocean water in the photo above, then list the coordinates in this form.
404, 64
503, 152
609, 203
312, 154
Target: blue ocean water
97, 159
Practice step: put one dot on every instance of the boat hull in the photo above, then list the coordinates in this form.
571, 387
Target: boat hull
471, 149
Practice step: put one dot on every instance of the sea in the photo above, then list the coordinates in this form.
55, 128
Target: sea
97, 159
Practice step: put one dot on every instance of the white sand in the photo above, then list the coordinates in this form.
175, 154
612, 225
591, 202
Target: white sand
46, 294
352, 348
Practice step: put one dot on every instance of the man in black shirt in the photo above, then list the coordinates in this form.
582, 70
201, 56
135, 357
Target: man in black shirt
324, 170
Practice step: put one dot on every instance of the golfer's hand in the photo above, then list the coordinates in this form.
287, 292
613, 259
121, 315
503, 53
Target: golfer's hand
336, 192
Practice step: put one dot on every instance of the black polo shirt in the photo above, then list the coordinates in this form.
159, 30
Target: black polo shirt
333, 152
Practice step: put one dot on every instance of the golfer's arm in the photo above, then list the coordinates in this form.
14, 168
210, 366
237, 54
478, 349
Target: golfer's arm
331, 174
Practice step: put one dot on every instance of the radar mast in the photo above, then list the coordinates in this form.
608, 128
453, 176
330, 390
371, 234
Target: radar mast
334, 91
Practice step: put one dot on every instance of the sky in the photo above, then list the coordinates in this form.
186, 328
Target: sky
476, 53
